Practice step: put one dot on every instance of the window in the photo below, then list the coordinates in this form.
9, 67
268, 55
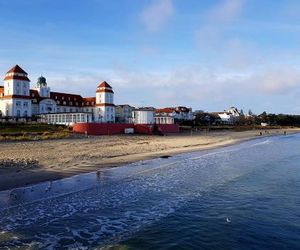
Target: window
25, 104
64, 102
71, 110
70, 103
24, 92
18, 103
58, 102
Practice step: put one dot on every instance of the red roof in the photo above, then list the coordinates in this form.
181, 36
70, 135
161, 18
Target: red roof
165, 110
17, 69
89, 101
34, 94
66, 99
104, 85
16, 77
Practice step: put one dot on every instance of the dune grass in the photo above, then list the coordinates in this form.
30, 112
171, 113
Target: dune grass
32, 131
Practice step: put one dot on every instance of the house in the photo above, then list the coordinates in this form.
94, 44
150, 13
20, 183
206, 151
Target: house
143, 115
229, 116
176, 113
124, 113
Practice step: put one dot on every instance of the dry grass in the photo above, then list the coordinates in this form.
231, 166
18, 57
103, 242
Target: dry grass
28, 132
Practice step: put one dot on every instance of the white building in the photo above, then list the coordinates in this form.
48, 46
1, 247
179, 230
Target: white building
143, 115
229, 116
177, 113
17, 100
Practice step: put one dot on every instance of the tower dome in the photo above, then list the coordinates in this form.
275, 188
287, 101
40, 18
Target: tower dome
41, 81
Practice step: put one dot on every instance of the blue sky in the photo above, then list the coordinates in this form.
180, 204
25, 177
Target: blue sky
207, 54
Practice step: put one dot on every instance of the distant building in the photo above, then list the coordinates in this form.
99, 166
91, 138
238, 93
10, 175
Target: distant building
144, 115
124, 113
18, 101
177, 113
229, 116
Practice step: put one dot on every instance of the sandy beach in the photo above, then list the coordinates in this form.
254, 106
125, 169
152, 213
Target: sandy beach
25, 163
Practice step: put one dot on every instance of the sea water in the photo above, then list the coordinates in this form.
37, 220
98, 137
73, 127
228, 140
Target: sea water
245, 196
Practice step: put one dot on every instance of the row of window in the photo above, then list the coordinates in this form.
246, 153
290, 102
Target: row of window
25, 113
19, 104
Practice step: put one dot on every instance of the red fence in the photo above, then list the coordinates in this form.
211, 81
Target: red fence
119, 128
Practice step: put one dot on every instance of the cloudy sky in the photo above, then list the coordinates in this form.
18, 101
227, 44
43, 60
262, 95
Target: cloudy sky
206, 54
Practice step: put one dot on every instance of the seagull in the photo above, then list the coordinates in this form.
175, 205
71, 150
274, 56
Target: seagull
227, 220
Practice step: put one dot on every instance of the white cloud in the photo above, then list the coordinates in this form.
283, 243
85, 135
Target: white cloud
155, 16
276, 81
226, 11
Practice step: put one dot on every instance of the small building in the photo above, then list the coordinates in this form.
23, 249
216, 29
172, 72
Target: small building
144, 115
124, 113
179, 113
66, 118
229, 116
163, 119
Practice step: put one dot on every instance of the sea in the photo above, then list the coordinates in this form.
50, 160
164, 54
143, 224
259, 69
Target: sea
243, 196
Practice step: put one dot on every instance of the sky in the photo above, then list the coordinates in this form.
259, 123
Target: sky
205, 54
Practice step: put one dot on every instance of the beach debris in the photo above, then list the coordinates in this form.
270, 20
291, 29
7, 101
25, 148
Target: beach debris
19, 163
165, 156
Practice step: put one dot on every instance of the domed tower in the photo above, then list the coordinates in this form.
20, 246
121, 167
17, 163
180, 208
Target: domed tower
105, 108
42, 87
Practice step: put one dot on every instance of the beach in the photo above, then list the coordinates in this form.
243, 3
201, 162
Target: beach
28, 162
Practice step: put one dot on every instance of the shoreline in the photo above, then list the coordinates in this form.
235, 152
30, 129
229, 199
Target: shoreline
34, 162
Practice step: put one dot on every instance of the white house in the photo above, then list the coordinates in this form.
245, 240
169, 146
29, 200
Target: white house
177, 113
143, 115
229, 116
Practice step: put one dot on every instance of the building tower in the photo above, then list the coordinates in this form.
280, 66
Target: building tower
42, 88
105, 108
17, 93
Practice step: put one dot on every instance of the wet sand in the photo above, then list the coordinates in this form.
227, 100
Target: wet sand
25, 163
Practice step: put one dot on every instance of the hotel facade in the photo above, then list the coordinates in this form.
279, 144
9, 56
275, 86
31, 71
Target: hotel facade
19, 101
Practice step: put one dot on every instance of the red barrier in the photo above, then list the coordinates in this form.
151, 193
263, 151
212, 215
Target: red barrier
101, 128
168, 128
143, 129
119, 128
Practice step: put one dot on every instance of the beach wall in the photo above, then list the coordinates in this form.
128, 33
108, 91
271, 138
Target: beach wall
168, 128
119, 128
101, 128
